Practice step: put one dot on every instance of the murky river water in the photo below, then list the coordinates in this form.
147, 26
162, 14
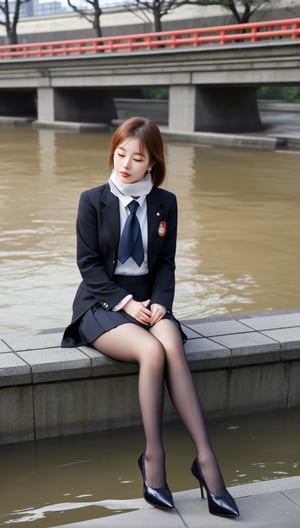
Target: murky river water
238, 252
238, 248
56, 482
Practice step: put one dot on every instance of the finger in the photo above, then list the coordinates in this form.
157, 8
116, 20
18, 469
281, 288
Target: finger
155, 318
158, 313
146, 311
145, 315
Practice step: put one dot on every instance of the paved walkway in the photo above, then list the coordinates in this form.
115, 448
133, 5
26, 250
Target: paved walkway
271, 504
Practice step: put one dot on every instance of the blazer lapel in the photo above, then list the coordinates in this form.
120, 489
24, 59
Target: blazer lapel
109, 205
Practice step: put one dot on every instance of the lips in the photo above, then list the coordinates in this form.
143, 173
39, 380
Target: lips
124, 174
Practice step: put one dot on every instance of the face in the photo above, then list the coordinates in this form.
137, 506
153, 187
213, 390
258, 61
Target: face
129, 163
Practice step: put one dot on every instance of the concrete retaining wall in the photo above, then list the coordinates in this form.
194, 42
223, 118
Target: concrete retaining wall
240, 365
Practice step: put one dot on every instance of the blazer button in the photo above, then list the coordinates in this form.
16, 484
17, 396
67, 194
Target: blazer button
105, 305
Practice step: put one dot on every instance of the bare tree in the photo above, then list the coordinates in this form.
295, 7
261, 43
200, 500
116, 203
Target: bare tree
11, 18
92, 13
242, 10
153, 10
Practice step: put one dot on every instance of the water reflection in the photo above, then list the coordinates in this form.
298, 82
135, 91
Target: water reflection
238, 248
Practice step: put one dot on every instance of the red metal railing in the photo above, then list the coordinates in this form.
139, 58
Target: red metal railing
235, 33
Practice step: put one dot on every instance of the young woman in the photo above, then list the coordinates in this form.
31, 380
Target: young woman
126, 242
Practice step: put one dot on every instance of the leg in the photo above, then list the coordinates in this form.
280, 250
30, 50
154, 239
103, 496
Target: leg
185, 399
130, 342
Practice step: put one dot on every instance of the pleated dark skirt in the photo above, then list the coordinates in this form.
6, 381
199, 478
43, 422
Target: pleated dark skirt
96, 321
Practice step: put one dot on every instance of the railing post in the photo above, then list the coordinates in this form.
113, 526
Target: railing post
253, 34
295, 33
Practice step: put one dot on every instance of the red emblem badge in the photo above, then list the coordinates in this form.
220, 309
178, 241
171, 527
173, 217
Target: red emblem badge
162, 229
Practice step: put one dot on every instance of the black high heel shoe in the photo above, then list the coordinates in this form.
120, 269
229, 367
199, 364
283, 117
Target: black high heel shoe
223, 505
158, 497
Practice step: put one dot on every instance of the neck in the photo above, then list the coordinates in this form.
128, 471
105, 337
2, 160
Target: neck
137, 189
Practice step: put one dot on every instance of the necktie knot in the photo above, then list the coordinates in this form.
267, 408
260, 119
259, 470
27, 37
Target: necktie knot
132, 206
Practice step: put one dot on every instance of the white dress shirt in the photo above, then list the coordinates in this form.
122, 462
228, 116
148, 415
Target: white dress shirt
130, 267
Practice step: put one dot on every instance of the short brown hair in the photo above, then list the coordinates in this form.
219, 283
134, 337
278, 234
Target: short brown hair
149, 135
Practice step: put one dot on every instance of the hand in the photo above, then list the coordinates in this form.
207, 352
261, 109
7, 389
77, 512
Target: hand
157, 313
139, 311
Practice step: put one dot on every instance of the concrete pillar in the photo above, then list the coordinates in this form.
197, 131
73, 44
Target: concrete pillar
45, 105
182, 108
225, 109
81, 105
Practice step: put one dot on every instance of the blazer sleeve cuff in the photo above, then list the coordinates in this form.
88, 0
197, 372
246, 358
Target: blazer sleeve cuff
122, 303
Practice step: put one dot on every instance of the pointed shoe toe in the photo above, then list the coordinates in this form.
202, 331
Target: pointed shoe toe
159, 497
223, 505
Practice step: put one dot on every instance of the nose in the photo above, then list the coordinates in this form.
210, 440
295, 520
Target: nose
126, 163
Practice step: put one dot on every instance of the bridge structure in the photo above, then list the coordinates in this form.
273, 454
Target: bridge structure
212, 75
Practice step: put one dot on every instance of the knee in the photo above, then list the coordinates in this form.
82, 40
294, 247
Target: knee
154, 355
175, 354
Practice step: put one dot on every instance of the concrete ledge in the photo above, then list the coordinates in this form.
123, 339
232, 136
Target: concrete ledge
72, 125
253, 141
267, 504
257, 141
277, 106
15, 121
240, 364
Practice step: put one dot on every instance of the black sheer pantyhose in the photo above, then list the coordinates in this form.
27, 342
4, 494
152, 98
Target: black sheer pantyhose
160, 355
129, 342
186, 401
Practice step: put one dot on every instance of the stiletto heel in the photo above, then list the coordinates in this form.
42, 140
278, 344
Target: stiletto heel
158, 497
201, 490
223, 505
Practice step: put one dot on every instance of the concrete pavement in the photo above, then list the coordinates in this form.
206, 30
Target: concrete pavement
270, 504
253, 361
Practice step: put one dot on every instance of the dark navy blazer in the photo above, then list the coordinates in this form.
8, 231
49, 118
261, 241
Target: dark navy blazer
98, 235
